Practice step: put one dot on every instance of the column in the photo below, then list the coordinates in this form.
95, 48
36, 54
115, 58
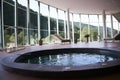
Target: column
65, 33
57, 22
48, 20
68, 24
72, 29
15, 25
89, 28
28, 23
80, 26
118, 27
2, 25
111, 26
39, 35
104, 24
98, 29
88, 24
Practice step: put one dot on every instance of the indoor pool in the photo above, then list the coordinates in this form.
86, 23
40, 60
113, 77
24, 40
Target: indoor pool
68, 59
68, 62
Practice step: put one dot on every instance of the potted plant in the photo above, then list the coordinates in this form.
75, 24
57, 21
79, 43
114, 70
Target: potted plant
87, 37
40, 42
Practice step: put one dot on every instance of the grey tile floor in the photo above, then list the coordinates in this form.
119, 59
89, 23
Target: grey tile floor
4, 75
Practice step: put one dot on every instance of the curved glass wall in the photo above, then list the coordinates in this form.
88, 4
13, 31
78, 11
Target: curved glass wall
51, 21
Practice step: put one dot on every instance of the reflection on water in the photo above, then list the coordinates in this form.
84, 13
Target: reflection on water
72, 59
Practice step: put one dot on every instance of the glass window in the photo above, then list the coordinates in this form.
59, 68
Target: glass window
93, 27
44, 22
22, 13
9, 37
84, 26
33, 36
71, 26
22, 22
33, 14
119, 27
0, 28
108, 25
76, 22
33, 26
9, 1
100, 20
61, 18
53, 20
21, 36
8, 8
115, 26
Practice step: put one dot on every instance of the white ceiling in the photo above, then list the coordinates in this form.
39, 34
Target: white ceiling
86, 6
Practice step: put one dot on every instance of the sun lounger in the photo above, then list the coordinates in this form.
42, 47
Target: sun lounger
63, 40
116, 37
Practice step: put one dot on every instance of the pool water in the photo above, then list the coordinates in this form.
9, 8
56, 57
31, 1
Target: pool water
71, 59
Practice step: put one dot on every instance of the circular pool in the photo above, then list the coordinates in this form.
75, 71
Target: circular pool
68, 62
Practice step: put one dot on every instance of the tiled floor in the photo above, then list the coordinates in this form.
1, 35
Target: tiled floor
4, 75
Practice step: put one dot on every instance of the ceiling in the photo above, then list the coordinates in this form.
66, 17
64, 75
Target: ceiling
86, 6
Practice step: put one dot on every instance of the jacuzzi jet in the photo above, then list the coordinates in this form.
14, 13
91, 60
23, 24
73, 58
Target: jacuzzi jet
66, 68
103, 64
